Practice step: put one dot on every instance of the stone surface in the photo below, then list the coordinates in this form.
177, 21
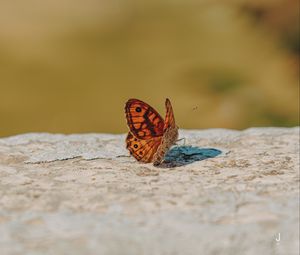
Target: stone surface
220, 192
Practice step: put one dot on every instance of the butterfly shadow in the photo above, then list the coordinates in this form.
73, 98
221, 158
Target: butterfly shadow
185, 155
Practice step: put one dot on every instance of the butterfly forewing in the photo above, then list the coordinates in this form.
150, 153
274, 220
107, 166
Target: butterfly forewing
143, 121
170, 119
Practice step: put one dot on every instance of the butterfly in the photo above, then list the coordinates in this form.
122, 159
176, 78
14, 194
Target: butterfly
150, 136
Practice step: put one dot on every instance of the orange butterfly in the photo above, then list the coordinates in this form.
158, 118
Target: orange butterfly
150, 136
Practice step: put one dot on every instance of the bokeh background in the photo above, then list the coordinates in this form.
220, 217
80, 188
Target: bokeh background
69, 66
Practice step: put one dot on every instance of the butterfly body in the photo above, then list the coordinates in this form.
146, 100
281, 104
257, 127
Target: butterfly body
150, 136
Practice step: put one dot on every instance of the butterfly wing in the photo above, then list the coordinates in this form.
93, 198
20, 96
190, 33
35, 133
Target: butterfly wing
142, 150
170, 119
143, 121
170, 135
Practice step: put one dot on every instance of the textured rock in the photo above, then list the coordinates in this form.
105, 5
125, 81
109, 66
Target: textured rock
223, 192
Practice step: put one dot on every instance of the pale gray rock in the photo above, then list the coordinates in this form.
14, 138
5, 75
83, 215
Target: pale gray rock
220, 192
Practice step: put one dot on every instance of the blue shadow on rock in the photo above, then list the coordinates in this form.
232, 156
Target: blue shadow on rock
185, 155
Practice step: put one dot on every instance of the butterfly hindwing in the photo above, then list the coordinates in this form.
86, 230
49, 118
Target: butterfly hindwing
142, 150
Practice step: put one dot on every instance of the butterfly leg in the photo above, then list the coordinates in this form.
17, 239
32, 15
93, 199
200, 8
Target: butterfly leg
181, 140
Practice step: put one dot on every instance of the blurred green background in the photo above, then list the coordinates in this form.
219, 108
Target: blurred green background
69, 66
